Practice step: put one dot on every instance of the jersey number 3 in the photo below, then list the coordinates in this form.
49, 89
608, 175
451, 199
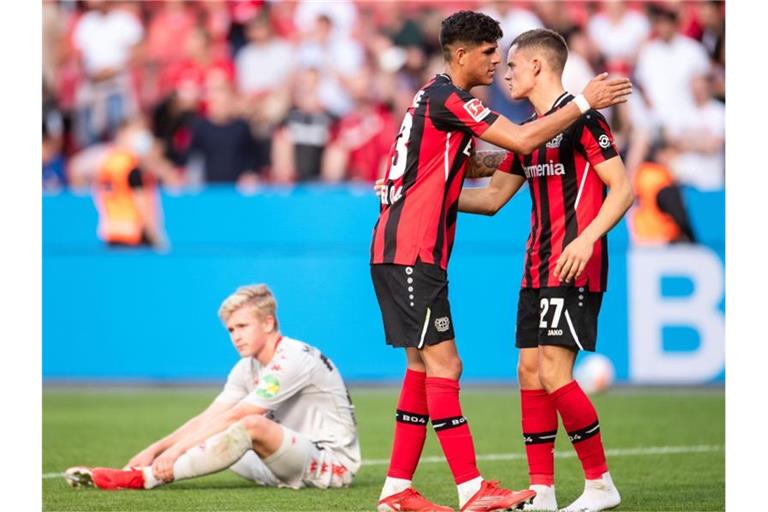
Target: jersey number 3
401, 148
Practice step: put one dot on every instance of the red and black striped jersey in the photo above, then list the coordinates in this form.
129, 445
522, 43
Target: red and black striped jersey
566, 194
429, 157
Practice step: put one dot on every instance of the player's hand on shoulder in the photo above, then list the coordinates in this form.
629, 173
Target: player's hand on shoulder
602, 92
573, 260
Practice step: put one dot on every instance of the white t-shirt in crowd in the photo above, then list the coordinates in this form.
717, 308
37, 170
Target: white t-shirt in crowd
703, 171
340, 56
343, 16
513, 23
665, 70
620, 40
105, 40
577, 73
303, 390
264, 67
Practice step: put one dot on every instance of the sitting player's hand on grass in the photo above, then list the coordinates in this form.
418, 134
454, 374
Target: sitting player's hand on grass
573, 260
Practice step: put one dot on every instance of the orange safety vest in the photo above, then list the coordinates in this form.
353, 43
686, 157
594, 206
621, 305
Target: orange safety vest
649, 224
120, 219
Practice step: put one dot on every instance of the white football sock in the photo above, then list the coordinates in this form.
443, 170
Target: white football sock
394, 486
599, 494
545, 498
217, 452
468, 489
149, 478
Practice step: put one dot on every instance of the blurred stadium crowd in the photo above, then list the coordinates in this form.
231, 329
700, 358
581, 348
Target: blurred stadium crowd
252, 92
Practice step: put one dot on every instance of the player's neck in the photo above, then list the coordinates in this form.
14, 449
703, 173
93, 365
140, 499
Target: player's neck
266, 354
457, 79
543, 97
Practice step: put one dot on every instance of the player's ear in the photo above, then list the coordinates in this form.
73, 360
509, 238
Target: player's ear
460, 54
536, 66
268, 324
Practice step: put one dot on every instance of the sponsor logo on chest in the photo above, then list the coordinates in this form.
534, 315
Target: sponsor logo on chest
550, 168
555, 143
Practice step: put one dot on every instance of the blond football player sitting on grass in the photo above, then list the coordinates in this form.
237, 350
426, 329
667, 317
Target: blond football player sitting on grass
283, 419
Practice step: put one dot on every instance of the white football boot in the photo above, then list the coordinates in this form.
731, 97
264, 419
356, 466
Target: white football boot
79, 476
599, 494
545, 498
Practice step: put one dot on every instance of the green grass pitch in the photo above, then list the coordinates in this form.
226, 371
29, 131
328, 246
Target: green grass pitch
665, 450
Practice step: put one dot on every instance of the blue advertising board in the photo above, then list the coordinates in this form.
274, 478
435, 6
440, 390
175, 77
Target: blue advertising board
135, 314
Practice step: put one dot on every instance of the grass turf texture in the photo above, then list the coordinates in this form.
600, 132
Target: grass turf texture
107, 427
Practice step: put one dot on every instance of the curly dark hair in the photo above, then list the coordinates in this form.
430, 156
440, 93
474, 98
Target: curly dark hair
468, 27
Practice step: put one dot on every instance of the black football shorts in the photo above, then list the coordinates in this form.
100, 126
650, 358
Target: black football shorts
565, 316
414, 303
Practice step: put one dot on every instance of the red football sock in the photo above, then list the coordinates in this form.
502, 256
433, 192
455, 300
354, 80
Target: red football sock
539, 431
410, 426
451, 428
111, 479
581, 423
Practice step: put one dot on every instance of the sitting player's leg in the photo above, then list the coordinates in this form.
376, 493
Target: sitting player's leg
442, 383
539, 425
292, 461
251, 467
216, 453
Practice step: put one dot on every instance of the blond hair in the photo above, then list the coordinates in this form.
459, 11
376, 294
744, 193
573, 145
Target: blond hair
258, 296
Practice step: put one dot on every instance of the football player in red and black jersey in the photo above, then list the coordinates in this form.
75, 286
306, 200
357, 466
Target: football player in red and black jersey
412, 242
579, 190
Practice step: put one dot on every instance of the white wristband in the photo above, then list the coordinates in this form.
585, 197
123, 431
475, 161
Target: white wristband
582, 103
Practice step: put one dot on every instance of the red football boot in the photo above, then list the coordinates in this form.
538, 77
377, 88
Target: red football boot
105, 478
491, 497
409, 500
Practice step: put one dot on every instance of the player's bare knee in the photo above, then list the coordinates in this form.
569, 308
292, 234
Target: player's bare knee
453, 368
552, 377
447, 369
254, 424
528, 375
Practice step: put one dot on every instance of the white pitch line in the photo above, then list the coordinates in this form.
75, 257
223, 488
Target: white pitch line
618, 452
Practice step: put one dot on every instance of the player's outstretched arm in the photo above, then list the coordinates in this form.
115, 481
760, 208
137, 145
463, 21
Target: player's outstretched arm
599, 93
489, 199
484, 163
575, 256
148, 455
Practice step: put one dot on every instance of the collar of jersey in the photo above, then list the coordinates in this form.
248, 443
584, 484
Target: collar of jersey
559, 102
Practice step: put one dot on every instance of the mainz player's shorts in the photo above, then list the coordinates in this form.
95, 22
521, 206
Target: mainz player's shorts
297, 463
414, 303
565, 316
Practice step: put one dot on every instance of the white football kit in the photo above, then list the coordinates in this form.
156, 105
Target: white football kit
304, 393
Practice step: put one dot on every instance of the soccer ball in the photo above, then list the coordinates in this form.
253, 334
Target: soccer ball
594, 373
